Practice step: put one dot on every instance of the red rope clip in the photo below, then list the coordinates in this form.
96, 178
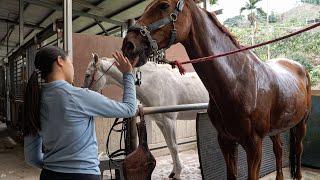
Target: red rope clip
174, 64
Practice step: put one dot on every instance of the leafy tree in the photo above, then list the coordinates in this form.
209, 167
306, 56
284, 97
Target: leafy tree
234, 21
272, 17
213, 1
254, 10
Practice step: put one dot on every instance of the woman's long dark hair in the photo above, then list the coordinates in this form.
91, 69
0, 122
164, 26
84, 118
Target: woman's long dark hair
44, 61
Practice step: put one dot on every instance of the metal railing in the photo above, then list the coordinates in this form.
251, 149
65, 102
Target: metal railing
173, 108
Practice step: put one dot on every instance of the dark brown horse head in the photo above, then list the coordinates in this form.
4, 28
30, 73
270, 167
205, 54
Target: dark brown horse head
136, 46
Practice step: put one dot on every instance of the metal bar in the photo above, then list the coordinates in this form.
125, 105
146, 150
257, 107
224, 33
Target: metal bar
67, 28
103, 29
113, 30
21, 22
74, 12
173, 108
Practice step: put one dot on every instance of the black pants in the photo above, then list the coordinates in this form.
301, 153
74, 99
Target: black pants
51, 175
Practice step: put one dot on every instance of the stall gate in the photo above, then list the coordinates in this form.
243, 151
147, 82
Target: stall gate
21, 69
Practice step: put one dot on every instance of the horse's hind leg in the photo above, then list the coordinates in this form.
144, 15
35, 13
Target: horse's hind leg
277, 149
297, 134
230, 151
168, 130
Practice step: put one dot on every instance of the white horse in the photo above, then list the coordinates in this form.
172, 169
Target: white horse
157, 83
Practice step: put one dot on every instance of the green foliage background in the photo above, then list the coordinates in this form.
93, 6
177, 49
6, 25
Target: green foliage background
304, 48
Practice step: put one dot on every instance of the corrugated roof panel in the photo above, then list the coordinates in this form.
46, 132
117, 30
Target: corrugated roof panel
133, 12
34, 14
9, 6
81, 22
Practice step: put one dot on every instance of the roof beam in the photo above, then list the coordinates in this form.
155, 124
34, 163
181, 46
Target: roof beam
74, 12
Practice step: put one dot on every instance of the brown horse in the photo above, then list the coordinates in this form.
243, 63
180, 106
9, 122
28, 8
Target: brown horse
249, 99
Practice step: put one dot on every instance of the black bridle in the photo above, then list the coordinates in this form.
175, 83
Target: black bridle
145, 31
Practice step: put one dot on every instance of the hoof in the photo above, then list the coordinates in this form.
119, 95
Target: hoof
171, 176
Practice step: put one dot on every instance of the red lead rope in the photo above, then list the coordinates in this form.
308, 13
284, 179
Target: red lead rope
210, 58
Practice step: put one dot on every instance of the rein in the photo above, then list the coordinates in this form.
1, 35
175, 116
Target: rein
213, 57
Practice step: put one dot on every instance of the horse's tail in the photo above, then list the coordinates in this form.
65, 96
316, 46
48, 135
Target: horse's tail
308, 86
292, 154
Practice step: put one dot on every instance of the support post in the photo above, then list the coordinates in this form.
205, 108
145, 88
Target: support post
21, 22
133, 122
205, 4
133, 134
67, 28
7, 79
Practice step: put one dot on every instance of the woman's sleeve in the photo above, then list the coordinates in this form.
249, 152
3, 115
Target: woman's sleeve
33, 151
94, 104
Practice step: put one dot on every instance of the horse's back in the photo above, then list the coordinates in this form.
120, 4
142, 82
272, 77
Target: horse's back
291, 66
289, 74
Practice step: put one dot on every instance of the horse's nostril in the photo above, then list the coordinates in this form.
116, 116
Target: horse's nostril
129, 47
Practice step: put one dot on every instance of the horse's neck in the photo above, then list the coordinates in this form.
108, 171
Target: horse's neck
206, 39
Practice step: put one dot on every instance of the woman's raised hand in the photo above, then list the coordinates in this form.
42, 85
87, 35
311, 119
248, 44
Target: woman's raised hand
122, 62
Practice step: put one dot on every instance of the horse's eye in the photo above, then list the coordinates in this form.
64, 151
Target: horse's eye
164, 6
87, 75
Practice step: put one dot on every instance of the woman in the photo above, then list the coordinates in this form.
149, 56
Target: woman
59, 131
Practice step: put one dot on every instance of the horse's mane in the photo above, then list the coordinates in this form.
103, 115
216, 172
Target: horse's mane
222, 28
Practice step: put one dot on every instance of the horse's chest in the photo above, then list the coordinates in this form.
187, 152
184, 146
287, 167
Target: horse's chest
229, 124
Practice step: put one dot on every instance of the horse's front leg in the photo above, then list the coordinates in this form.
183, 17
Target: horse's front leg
277, 149
230, 153
253, 148
168, 129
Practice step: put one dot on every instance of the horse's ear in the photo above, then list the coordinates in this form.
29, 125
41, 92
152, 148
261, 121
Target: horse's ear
95, 57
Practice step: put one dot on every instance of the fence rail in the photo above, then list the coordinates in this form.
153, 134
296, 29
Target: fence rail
173, 108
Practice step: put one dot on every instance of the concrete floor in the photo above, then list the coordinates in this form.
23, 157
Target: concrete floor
13, 167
